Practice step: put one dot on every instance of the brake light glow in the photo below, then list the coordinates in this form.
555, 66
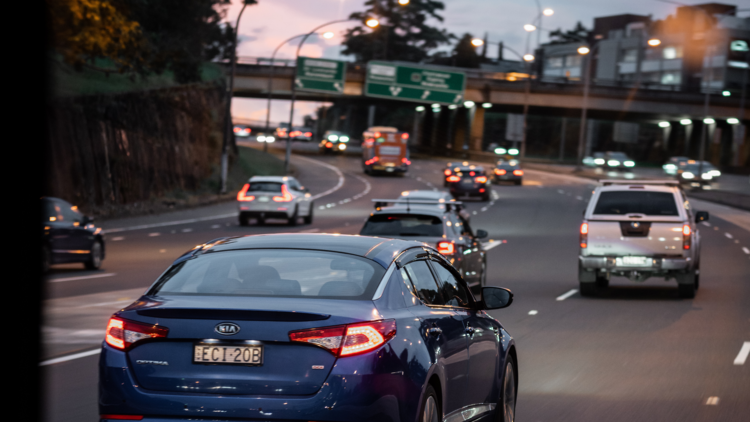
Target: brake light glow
686, 239
453, 178
236, 129
122, 333
406, 161
446, 248
481, 179
471, 173
518, 172
584, 234
377, 134
285, 195
500, 172
329, 144
348, 340
447, 172
308, 134
241, 194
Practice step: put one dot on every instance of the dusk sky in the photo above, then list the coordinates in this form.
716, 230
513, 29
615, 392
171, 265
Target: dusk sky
270, 22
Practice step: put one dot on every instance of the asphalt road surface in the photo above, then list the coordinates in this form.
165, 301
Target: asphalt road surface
636, 353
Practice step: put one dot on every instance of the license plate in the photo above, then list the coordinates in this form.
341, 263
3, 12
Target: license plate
389, 169
262, 199
228, 354
467, 181
634, 261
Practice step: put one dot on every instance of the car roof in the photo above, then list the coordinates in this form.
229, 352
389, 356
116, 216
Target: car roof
432, 210
425, 194
277, 179
381, 250
641, 187
470, 168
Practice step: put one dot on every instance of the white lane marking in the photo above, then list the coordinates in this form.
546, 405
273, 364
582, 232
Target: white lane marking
484, 209
705, 223
533, 312
310, 231
579, 198
746, 250
168, 223
742, 355
561, 191
330, 167
162, 250
216, 226
489, 245
566, 295
712, 401
118, 238
107, 303
728, 235
187, 230
71, 357
474, 213
322, 207
57, 280
368, 186
154, 234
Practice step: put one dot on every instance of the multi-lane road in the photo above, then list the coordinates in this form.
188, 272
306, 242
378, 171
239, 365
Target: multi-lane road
637, 352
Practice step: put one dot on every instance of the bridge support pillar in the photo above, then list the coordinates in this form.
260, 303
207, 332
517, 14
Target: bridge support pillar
477, 130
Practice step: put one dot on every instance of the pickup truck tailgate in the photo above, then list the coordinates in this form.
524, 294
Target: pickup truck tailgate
641, 238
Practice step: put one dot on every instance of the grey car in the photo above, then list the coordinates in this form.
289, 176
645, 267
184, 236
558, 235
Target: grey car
274, 197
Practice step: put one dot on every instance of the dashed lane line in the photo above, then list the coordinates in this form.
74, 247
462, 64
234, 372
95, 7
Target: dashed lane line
566, 295
746, 250
533, 312
168, 223
712, 401
154, 234
742, 355
118, 238
489, 245
71, 357
728, 235
85, 277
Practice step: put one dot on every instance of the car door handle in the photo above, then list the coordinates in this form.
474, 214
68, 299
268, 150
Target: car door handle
434, 331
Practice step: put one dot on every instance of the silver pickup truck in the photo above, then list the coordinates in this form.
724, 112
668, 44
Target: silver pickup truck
640, 229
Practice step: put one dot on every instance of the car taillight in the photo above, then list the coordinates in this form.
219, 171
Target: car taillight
377, 134
404, 136
453, 178
121, 333
308, 134
348, 340
329, 144
241, 195
372, 160
500, 172
481, 179
584, 234
686, 237
447, 172
471, 173
285, 195
446, 248
237, 130
406, 161
518, 172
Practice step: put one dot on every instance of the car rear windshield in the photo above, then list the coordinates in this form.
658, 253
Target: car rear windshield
403, 225
273, 272
648, 203
265, 187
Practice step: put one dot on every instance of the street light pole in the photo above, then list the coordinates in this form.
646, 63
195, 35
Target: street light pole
228, 116
584, 105
270, 88
704, 130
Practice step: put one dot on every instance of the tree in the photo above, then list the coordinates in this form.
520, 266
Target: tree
577, 34
464, 54
402, 35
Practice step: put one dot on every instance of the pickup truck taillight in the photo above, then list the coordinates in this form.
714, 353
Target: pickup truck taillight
686, 237
584, 239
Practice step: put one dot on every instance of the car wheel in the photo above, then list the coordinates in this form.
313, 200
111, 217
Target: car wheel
95, 257
46, 259
519, 182
587, 289
506, 407
430, 407
244, 221
309, 218
686, 287
486, 197
602, 282
293, 219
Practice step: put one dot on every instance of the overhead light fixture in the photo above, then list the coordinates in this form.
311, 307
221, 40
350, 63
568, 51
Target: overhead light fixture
726, 93
686, 122
653, 42
420, 108
372, 22
486, 105
468, 104
548, 12
528, 57
583, 50
709, 121
328, 35
476, 42
664, 124
529, 27
733, 120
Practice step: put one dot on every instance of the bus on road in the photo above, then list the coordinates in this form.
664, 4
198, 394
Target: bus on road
385, 150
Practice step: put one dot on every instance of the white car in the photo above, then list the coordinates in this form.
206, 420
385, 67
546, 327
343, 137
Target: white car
274, 197
640, 229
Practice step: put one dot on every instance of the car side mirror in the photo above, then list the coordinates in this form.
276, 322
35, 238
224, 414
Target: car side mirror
481, 234
496, 298
701, 216
90, 220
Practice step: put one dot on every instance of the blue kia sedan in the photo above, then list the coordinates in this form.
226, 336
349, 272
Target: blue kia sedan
301, 327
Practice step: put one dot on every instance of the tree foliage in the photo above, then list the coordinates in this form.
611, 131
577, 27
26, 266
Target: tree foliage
404, 33
464, 54
577, 34
143, 35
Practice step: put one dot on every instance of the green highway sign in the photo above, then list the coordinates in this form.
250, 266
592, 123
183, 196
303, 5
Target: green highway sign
414, 83
320, 75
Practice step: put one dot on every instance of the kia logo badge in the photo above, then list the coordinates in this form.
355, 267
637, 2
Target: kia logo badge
227, 328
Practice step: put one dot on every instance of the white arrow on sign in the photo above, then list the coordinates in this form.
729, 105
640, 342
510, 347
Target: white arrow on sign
425, 94
298, 82
337, 86
394, 90
458, 98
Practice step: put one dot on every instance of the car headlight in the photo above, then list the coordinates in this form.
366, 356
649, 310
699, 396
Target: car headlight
669, 166
342, 147
513, 151
344, 139
630, 163
706, 176
688, 175
613, 163
333, 137
599, 161
270, 139
715, 173
260, 138
500, 150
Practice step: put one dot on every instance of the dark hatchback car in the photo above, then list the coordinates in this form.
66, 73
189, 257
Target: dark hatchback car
300, 327
469, 181
443, 226
508, 171
69, 236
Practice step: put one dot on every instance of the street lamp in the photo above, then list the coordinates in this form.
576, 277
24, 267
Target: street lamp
371, 22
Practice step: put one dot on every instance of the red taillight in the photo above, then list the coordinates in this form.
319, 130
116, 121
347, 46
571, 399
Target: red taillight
584, 240
329, 144
237, 130
404, 136
453, 178
122, 417
518, 172
406, 161
472, 173
372, 160
241, 194
446, 248
122, 333
481, 179
308, 134
499, 172
377, 134
447, 172
348, 340
686, 240
285, 195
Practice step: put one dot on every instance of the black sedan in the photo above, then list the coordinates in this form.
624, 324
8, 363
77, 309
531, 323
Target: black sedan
508, 171
69, 236
469, 181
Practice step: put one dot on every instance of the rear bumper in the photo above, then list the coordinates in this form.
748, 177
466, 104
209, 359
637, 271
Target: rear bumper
609, 263
354, 390
480, 190
268, 214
